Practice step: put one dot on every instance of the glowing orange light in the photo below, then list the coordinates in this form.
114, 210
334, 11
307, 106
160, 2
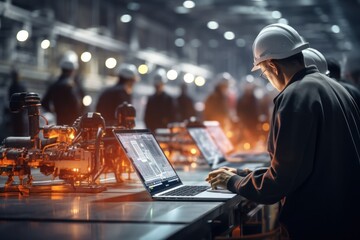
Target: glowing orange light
71, 136
229, 134
247, 146
265, 127
193, 165
167, 153
193, 151
75, 170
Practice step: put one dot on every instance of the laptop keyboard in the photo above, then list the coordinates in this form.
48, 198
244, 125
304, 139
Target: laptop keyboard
186, 191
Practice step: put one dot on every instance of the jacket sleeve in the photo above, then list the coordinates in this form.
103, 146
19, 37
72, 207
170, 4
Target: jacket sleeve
293, 138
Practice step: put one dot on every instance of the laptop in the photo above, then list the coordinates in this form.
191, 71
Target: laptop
215, 157
156, 172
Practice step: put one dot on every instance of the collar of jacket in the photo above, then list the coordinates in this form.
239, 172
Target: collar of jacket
298, 76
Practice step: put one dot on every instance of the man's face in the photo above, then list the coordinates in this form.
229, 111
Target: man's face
271, 73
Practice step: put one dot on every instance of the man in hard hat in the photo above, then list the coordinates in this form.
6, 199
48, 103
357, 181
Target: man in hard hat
316, 58
314, 145
64, 96
160, 108
115, 95
330, 68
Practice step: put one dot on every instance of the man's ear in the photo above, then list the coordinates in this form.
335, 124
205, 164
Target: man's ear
273, 66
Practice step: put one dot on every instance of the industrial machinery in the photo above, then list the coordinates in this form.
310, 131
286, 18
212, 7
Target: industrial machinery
76, 154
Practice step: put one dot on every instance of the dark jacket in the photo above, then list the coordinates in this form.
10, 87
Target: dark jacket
186, 108
314, 144
109, 100
64, 98
160, 110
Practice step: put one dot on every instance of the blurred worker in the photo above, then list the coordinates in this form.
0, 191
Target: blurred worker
352, 68
160, 108
17, 123
64, 96
335, 73
316, 58
218, 105
115, 95
314, 144
185, 105
248, 111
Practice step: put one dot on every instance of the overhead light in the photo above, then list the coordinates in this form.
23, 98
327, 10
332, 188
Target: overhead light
240, 42
172, 74
229, 35
180, 31
213, 25
195, 43
181, 10
85, 57
87, 100
189, 78
283, 20
276, 14
22, 35
143, 69
45, 44
189, 4
199, 81
179, 42
335, 28
125, 18
110, 63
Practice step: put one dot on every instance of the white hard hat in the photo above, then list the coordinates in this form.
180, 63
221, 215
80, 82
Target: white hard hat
277, 41
69, 61
314, 57
126, 70
160, 76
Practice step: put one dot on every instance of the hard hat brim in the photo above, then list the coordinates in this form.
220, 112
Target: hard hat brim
256, 67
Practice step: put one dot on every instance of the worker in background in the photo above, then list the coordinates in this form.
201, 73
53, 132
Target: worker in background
331, 68
64, 96
335, 73
160, 108
15, 124
314, 144
315, 58
218, 105
185, 104
352, 68
115, 95
248, 110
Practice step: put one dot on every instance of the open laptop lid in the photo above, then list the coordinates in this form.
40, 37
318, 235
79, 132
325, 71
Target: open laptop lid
149, 161
208, 148
219, 137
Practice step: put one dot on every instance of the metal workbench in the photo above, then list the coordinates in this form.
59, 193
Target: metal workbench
122, 211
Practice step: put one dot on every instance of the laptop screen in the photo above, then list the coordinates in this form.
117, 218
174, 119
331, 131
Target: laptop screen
148, 159
220, 138
206, 145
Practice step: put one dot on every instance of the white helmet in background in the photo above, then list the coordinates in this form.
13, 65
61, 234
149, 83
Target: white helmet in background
277, 41
128, 71
69, 61
314, 57
160, 76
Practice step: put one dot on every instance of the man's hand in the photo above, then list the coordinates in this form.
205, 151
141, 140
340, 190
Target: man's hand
220, 178
233, 170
